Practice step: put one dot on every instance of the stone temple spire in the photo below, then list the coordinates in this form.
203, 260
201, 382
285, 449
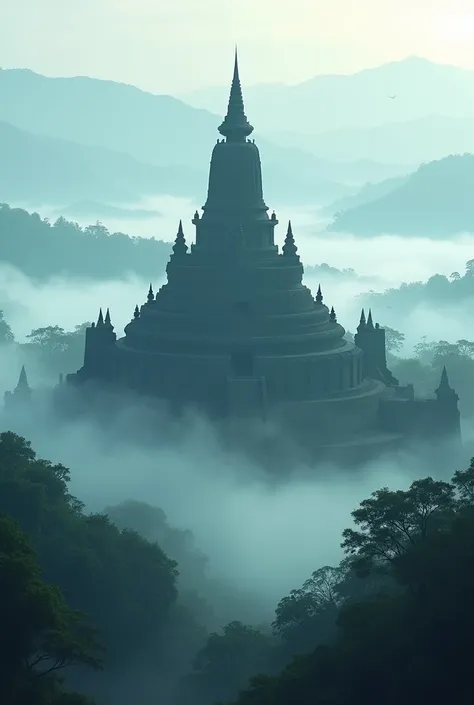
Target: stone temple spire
235, 127
370, 323
445, 392
319, 295
289, 248
180, 247
362, 322
107, 320
23, 380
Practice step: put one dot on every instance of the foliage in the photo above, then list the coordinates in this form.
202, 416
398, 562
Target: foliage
438, 291
42, 249
40, 634
226, 662
410, 640
6, 334
125, 584
394, 340
306, 616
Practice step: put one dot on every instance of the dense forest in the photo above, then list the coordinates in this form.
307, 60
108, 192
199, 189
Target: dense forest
439, 291
42, 249
391, 623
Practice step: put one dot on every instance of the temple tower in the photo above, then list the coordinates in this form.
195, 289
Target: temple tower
21, 395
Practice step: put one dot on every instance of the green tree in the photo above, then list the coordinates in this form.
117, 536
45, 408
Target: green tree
226, 662
126, 584
40, 635
6, 335
394, 340
391, 521
50, 339
306, 617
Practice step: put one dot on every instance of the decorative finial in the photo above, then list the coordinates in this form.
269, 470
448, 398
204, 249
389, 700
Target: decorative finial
370, 323
289, 248
332, 315
235, 127
319, 295
151, 295
273, 216
180, 247
100, 320
136, 313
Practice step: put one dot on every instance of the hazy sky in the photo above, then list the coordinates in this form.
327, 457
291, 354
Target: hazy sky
176, 45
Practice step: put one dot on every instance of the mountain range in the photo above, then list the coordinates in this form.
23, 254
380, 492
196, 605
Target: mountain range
43, 170
435, 201
157, 131
65, 140
360, 100
403, 112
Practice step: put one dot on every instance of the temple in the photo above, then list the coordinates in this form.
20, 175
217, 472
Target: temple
235, 333
21, 395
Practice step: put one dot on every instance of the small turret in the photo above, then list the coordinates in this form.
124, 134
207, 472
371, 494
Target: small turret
332, 315
136, 313
371, 340
319, 295
99, 338
444, 392
21, 395
180, 247
447, 419
151, 296
235, 127
289, 248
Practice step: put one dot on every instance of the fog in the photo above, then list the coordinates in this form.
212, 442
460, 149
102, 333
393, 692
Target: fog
261, 537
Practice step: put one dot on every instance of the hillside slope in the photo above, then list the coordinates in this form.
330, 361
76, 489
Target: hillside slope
37, 169
435, 201
360, 100
153, 129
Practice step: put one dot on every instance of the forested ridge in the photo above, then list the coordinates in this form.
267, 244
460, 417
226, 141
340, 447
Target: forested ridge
42, 249
391, 623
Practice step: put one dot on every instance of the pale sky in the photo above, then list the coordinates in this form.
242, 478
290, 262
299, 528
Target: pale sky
170, 46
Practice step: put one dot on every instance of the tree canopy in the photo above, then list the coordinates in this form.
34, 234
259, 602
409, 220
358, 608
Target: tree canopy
42, 249
409, 637
40, 634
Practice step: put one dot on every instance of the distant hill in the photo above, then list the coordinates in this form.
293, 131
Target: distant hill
437, 293
436, 201
361, 100
42, 250
367, 194
153, 129
38, 169
403, 143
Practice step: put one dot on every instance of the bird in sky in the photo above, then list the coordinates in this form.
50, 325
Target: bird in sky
392, 97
